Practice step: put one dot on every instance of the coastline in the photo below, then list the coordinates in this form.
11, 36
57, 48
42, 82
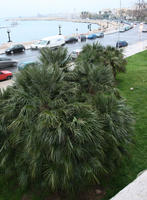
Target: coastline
90, 21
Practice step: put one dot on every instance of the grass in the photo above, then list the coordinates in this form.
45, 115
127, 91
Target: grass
136, 78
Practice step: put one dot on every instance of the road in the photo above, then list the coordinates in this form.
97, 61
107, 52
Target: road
132, 36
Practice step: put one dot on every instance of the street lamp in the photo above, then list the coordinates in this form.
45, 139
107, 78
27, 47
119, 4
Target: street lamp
9, 38
89, 27
119, 23
77, 31
60, 30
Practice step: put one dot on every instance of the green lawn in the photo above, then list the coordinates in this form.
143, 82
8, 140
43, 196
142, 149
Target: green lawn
135, 77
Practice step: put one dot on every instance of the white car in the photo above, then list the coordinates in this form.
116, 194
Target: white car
35, 45
50, 42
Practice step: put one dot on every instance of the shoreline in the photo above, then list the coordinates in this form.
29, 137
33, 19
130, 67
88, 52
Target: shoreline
79, 20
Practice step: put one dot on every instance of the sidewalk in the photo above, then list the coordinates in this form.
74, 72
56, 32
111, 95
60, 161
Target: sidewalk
135, 48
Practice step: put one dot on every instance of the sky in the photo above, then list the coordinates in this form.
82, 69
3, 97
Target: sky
15, 8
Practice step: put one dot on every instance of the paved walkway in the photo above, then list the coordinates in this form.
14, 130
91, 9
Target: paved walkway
135, 48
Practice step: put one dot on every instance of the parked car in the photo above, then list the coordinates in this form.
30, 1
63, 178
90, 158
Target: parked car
5, 75
120, 44
15, 49
50, 42
127, 28
100, 35
82, 38
92, 36
25, 64
144, 30
122, 30
35, 45
74, 54
7, 62
71, 40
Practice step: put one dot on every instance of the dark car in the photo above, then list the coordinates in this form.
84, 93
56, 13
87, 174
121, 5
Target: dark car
100, 35
92, 36
71, 40
15, 49
82, 38
7, 62
120, 44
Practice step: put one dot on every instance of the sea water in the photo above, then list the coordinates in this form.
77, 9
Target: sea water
36, 30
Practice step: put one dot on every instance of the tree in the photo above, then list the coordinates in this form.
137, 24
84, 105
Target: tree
57, 128
58, 56
116, 59
104, 56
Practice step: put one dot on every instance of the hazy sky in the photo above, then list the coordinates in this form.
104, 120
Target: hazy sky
16, 8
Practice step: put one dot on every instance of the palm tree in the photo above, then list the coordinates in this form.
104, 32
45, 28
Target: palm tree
57, 128
55, 56
47, 137
116, 59
104, 56
91, 54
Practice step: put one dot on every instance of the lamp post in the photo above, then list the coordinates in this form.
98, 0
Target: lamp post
77, 31
119, 23
9, 38
89, 27
60, 30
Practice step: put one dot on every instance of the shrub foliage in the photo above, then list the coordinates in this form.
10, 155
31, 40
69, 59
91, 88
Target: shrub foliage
61, 129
